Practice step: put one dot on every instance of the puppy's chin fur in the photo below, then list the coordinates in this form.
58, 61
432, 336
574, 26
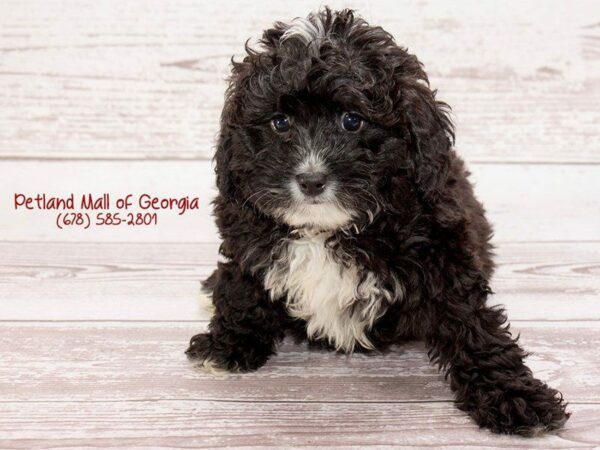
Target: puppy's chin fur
323, 213
323, 216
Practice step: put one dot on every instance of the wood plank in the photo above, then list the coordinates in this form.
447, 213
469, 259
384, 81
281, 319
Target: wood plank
549, 281
522, 82
115, 361
146, 80
200, 424
539, 203
107, 281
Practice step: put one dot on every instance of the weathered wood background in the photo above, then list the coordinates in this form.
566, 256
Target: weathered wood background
123, 96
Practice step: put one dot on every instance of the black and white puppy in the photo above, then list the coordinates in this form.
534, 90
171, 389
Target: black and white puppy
348, 220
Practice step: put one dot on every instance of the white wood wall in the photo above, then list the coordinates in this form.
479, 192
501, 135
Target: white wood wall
123, 96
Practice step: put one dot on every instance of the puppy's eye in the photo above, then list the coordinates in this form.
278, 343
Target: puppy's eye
281, 123
351, 122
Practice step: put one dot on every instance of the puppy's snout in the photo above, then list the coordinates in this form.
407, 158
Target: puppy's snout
312, 183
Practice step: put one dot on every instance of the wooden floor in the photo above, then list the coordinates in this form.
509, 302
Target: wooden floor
123, 96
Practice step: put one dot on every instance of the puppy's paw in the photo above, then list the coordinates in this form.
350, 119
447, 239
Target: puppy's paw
217, 357
200, 354
523, 406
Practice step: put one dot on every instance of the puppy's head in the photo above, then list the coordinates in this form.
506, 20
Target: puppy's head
329, 124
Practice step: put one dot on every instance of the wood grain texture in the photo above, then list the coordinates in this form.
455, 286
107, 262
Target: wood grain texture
93, 324
143, 362
108, 281
201, 424
538, 203
128, 79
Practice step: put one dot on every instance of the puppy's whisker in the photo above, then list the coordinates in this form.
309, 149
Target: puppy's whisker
262, 191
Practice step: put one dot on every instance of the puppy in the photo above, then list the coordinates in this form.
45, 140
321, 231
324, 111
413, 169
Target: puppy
348, 220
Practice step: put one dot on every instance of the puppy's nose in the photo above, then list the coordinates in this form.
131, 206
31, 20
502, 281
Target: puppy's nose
312, 183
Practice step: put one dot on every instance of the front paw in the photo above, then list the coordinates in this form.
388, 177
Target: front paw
200, 353
521, 405
217, 357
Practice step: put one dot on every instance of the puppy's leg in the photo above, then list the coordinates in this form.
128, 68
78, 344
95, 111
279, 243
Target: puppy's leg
485, 365
245, 328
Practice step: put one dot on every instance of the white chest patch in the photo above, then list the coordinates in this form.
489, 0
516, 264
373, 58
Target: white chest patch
339, 303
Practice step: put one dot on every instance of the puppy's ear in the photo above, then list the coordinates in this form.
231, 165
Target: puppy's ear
431, 138
223, 156
232, 111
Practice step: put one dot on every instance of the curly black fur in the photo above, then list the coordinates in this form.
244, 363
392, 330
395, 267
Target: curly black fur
415, 221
